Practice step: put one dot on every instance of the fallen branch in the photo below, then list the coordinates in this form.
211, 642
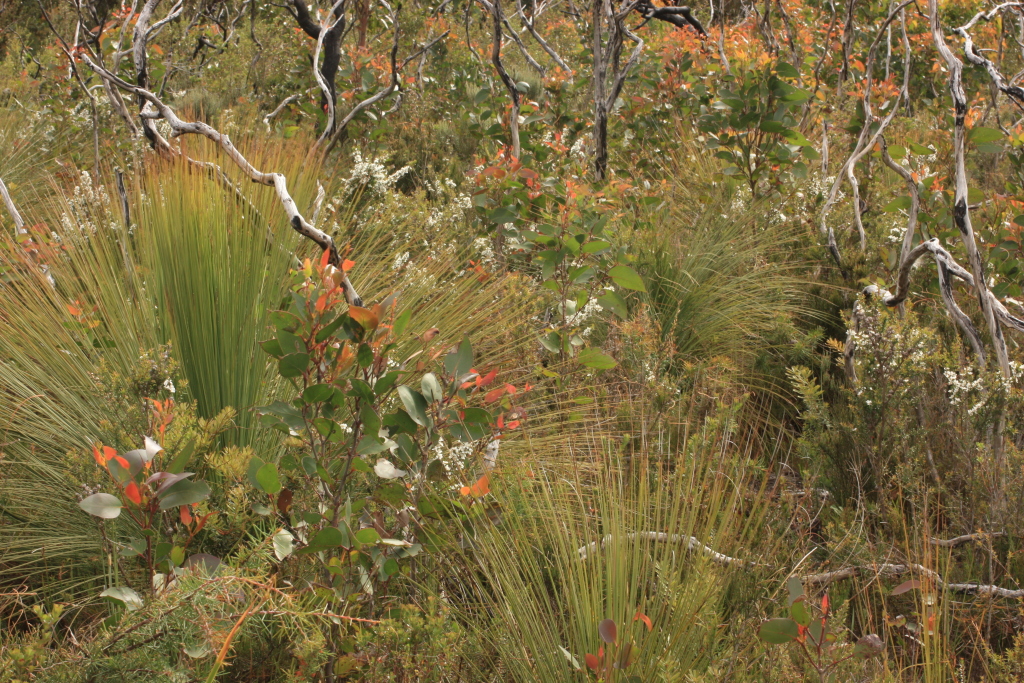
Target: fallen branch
966, 538
691, 544
893, 570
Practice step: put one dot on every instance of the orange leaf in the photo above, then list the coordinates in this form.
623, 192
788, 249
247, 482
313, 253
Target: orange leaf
494, 394
121, 461
202, 521
74, 310
99, 458
364, 317
132, 491
644, 618
824, 604
513, 424
321, 303
185, 515
109, 453
325, 258
346, 265
481, 488
511, 389
486, 379
501, 421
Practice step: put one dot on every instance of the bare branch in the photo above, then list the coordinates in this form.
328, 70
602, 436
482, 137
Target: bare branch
961, 212
510, 85
966, 538
529, 24
157, 109
661, 537
19, 222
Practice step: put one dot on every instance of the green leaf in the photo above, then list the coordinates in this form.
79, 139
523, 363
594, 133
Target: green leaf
779, 631
626, 277
921, 150
267, 479
177, 555
328, 537
795, 588
102, 505
897, 204
431, 388
460, 361
185, 492
293, 365
611, 301
414, 404
798, 612
401, 323
124, 595
596, 359
177, 465
318, 393
980, 134
367, 536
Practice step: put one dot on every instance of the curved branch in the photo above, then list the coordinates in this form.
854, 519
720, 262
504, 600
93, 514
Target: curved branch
159, 110
510, 86
376, 97
961, 213
529, 24
865, 142
659, 536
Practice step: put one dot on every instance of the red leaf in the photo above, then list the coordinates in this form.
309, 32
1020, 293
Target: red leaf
486, 379
122, 462
325, 258
511, 389
202, 521
501, 421
132, 491
321, 303
593, 663
284, 500
513, 424
494, 394
644, 618
99, 458
824, 604
346, 265
185, 515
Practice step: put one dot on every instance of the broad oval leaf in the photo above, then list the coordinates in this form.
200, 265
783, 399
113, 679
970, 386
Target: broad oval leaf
184, 493
102, 505
626, 277
414, 404
293, 365
607, 630
267, 479
779, 631
596, 359
283, 544
124, 595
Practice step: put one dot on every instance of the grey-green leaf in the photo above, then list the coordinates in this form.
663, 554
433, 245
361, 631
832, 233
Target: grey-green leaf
102, 505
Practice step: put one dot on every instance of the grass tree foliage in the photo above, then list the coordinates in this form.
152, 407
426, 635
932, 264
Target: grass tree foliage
361, 341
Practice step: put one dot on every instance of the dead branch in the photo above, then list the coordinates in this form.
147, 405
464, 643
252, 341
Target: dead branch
865, 142
510, 85
19, 222
961, 212
328, 94
380, 94
157, 109
887, 570
966, 538
531, 27
659, 536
